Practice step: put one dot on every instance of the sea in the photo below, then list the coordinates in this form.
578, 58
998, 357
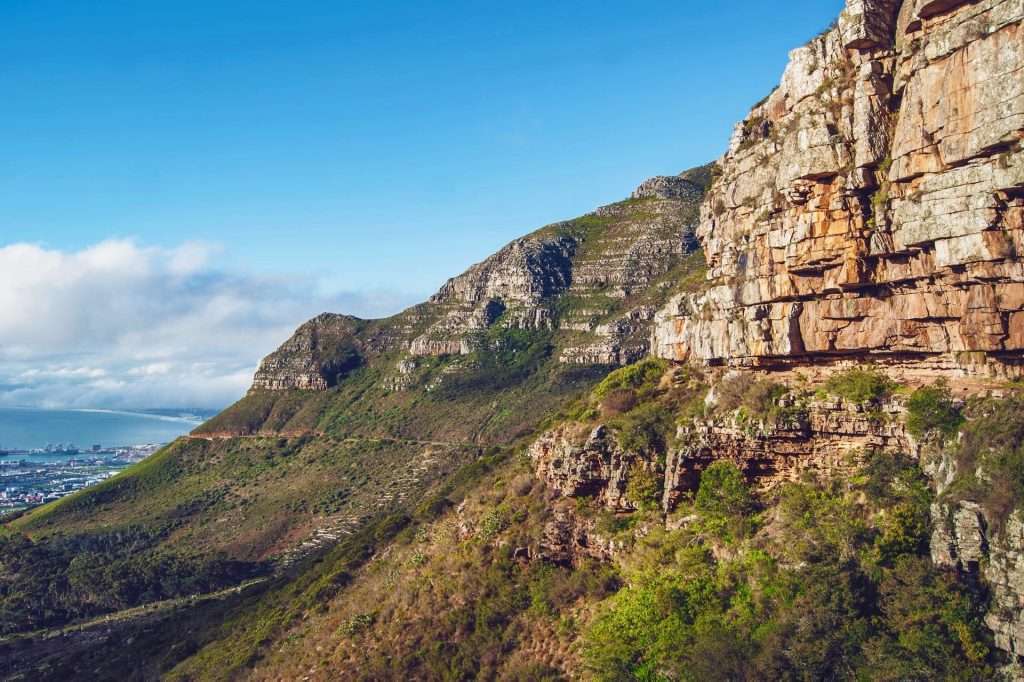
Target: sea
32, 428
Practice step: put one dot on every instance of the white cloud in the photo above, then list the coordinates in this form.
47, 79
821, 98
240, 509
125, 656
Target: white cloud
122, 325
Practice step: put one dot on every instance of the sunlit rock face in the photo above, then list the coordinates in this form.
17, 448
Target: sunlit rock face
873, 204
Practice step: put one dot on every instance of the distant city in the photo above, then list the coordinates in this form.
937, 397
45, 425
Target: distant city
32, 477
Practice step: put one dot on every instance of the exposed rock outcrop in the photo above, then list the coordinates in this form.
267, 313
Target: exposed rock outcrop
568, 540
824, 437
591, 466
874, 203
965, 539
319, 353
669, 187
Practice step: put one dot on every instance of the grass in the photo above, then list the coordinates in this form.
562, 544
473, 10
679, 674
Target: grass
442, 604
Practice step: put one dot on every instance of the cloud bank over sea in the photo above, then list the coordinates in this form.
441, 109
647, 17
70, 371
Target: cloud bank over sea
123, 325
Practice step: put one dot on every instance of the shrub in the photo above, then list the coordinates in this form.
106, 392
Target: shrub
493, 523
357, 624
817, 524
724, 491
619, 401
990, 458
809, 602
644, 488
860, 386
638, 377
932, 411
757, 399
646, 428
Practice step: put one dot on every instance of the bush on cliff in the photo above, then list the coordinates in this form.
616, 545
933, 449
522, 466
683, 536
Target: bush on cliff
644, 488
837, 586
756, 399
932, 411
990, 457
860, 386
723, 491
641, 377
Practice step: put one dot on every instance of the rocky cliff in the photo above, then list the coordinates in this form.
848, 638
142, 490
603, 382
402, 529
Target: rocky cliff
870, 211
798, 432
319, 353
873, 204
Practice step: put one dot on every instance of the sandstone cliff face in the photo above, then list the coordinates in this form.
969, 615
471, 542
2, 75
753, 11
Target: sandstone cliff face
873, 203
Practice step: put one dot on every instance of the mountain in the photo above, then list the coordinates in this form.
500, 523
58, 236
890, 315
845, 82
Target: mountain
761, 420
351, 424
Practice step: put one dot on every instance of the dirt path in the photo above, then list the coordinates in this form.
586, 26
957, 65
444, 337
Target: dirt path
29, 655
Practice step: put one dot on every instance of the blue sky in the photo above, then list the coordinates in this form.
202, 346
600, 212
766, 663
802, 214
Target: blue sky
364, 150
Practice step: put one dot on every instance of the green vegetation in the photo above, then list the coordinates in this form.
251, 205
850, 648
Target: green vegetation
501, 358
463, 609
643, 404
931, 411
641, 378
819, 581
860, 386
269, 412
837, 590
149, 534
990, 454
43, 584
880, 198
723, 491
755, 401
644, 488
453, 563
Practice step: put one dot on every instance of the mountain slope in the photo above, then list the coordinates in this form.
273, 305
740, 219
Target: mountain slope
353, 421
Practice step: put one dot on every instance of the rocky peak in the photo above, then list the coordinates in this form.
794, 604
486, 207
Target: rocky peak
595, 282
668, 187
526, 271
578, 276
319, 353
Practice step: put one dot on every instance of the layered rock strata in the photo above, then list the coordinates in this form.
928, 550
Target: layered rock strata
320, 352
874, 203
824, 437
